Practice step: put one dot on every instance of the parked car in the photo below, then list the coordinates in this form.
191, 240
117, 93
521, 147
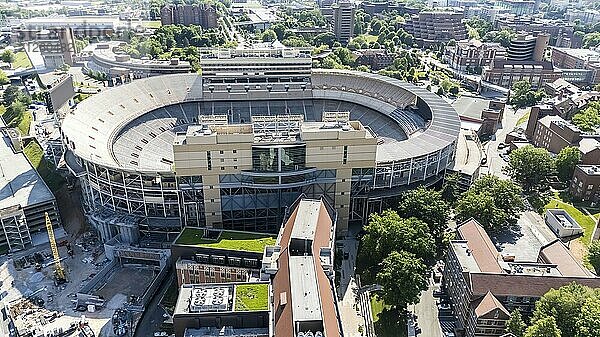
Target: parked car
444, 306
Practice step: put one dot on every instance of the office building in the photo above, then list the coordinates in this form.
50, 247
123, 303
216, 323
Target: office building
506, 72
519, 7
431, 27
343, 21
578, 65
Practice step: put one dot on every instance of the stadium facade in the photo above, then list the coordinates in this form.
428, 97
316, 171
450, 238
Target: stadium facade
234, 147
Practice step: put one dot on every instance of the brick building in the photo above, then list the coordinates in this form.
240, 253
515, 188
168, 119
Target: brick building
473, 54
431, 27
506, 72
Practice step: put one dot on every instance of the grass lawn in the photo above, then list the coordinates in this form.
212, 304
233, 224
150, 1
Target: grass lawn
2, 109
252, 297
251, 242
45, 168
21, 60
151, 24
582, 219
387, 322
22, 124
524, 118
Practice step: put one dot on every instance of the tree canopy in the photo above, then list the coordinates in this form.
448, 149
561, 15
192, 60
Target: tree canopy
8, 56
492, 201
3, 78
450, 188
565, 162
593, 255
403, 276
428, 206
523, 95
588, 119
545, 327
515, 324
530, 166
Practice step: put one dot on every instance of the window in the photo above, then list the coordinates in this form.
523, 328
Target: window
208, 160
345, 158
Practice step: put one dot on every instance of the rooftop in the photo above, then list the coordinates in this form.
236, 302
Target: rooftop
252, 297
227, 240
20, 184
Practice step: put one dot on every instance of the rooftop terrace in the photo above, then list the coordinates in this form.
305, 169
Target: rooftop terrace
227, 240
252, 297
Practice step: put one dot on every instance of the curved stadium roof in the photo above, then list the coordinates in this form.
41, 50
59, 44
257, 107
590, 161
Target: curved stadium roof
105, 119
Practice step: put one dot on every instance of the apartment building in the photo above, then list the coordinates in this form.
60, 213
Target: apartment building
204, 15
431, 27
585, 184
343, 21
485, 285
554, 133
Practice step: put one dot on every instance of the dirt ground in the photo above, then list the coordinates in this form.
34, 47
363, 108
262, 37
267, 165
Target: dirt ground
126, 281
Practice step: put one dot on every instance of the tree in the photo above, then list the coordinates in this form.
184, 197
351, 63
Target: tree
589, 118
427, 206
523, 95
451, 188
593, 256
3, 78
8, 56
564, 305
403, 276
591, 40
543, 328
565, 162
13, 94
269, 35
588, 324
491, 201
530, 166
515, 324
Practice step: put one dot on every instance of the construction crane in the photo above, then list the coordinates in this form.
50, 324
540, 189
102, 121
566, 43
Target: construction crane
59, 272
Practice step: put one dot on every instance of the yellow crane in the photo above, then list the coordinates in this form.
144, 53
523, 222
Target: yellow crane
59, 272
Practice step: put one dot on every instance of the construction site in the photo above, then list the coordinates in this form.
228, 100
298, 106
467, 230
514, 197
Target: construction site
72, 288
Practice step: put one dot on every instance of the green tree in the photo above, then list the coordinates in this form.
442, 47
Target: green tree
269, 35
530, 166
8, 56
428, 206
451, 188
389, 232
491, 201
13, 94
591, 40
3, 78
403, 276
523, 95
515, 324
565, 162
589, 118
588, 324
593, 255
545, 327
564, 305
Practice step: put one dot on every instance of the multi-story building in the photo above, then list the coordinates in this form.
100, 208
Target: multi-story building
376, 59
473, 55
377, 7
585, 184
528, 47
431, 27
343, 21
205, 256
55, 44
563, 4
485, 286
586, 16
534, 25
204, 15
87, 26
295, 295
107, 58
519, 7
24, 196
554, 133
578, 65
506, 72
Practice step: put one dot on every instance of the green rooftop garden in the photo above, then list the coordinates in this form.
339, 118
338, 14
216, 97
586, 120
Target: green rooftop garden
252, 297
250, 242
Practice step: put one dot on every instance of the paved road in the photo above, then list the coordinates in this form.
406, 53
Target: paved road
427, 314
347, 292
495, 163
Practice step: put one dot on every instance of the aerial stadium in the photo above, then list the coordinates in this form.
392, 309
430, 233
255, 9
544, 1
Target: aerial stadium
233, 147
